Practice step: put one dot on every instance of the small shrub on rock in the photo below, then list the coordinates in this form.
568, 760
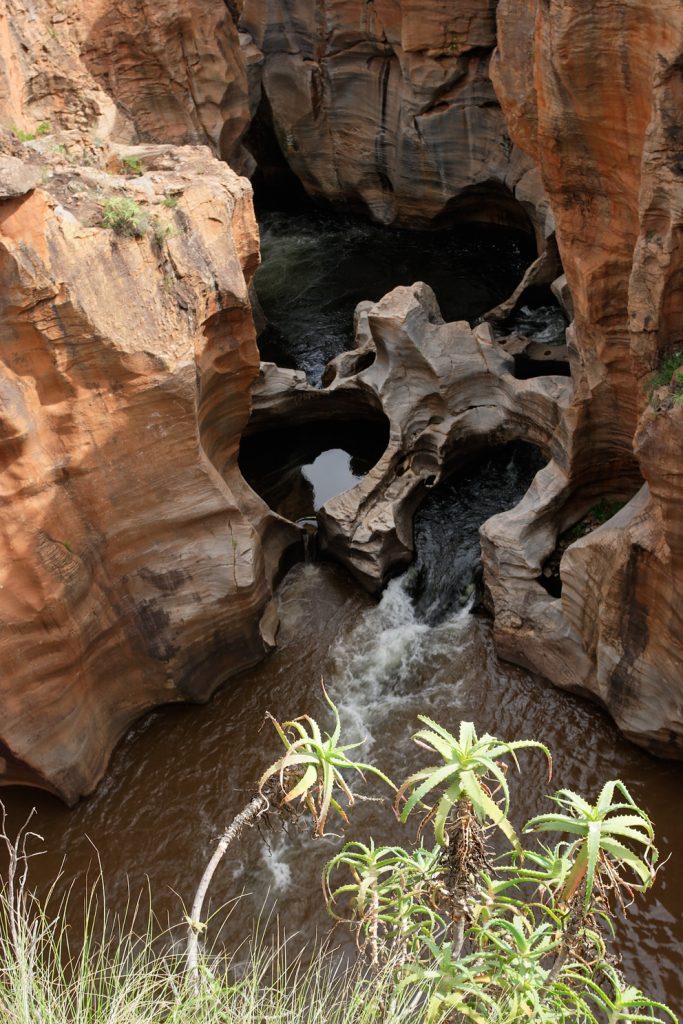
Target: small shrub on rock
160, 232
669, 375
124, 216
131, 165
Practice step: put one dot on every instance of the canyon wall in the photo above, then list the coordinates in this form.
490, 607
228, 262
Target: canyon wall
134, 71
594, 94
132, 569
387, 106
136, 566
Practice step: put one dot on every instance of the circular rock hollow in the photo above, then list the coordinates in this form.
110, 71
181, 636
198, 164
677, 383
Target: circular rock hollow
296, 469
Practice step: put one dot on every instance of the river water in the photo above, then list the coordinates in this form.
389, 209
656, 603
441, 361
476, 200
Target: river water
183, 772
317, 267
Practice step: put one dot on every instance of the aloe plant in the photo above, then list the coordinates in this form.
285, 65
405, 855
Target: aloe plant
522, 941
312, 767
625, 1002
469, 762
506, 982
602, 830
391, 897
315, 765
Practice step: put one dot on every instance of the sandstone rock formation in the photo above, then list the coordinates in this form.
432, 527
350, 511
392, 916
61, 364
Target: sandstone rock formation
447, 392
132, 572
595, 100
160, 72
388, 106
137, 563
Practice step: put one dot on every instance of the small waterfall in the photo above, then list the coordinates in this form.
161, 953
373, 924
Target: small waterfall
381, 664
413, 645
309, 538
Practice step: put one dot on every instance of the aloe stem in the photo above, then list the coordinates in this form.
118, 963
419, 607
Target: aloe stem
374, 928
247, 817
458, 936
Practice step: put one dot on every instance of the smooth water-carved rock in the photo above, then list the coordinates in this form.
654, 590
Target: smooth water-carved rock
133, 567
615, 633
447, 391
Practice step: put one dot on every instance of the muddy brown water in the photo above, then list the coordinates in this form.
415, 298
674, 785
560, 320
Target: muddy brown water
183, 772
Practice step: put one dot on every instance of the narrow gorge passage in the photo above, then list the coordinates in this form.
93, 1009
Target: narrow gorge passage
341, 353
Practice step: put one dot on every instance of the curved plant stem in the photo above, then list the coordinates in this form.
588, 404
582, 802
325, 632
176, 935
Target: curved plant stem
255, 809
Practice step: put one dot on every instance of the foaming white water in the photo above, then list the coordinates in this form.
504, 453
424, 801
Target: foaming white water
380, 663
275, 860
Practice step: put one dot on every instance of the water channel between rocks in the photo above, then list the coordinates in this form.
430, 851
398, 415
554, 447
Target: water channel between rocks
182, 773
317, 267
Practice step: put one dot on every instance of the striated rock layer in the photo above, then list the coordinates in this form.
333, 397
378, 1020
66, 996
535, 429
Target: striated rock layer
143, 71
594, 95
132, 570
388, 106
137, 564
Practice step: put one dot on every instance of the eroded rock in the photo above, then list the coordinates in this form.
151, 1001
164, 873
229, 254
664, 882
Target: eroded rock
134, 570
615, 633
388, 106
447, 391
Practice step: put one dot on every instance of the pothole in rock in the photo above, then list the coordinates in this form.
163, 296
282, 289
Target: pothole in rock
600, 513
316, 267
447, 567
536, 335
296, 470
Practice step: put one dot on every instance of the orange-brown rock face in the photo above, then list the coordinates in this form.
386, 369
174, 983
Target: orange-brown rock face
130, 571
387, 106
175, 69
593, 93
161, 71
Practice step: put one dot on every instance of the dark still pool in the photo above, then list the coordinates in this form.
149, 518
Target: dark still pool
297, 469
316, 268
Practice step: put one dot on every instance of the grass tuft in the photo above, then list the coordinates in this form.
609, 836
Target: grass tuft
131, 165
121, 974
670, 373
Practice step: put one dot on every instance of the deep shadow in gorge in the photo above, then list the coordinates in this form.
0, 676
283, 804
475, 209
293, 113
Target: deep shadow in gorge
296, 469
318, 265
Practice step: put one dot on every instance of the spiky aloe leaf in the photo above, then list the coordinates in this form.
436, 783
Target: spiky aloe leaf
316, 765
